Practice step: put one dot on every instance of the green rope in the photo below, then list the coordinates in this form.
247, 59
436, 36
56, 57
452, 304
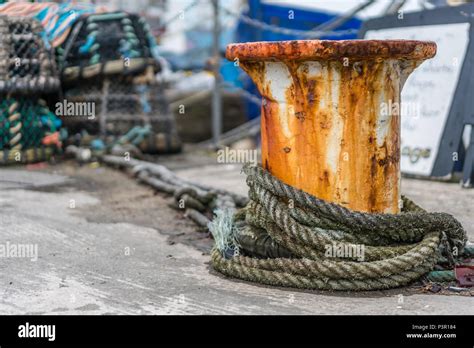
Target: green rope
469, 251
441, 276
397, 249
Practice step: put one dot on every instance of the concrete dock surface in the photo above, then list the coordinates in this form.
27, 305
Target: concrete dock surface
108, 245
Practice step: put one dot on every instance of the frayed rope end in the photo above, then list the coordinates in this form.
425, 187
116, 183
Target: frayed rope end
221, 228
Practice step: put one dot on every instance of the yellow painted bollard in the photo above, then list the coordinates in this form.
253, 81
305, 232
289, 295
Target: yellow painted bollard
331, 114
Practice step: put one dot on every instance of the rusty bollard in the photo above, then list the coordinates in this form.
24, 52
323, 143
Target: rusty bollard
331, 114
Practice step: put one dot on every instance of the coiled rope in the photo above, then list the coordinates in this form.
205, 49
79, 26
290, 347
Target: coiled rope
283, 235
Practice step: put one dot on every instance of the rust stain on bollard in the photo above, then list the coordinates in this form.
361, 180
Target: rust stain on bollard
324, 129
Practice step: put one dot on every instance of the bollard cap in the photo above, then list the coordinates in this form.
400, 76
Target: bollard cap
331, 50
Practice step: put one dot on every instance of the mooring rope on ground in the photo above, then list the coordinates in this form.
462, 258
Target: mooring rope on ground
196, 200
297, 229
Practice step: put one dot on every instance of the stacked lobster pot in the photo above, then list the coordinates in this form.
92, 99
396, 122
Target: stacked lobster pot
29, 131
107, 62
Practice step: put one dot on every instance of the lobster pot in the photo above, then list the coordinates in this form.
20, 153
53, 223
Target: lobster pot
107, 61
118, 104
27, 65
331, 115
28, 128
106, 43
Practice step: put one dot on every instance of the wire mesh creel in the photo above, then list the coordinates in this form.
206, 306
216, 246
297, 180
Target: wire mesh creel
106, 44
28, 66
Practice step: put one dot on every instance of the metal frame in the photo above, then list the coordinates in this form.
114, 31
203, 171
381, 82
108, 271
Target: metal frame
461, 112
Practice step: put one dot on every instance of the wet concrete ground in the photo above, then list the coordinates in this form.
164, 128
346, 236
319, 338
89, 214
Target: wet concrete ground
109, 245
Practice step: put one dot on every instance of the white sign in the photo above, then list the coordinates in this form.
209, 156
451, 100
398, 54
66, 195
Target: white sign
430, 88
